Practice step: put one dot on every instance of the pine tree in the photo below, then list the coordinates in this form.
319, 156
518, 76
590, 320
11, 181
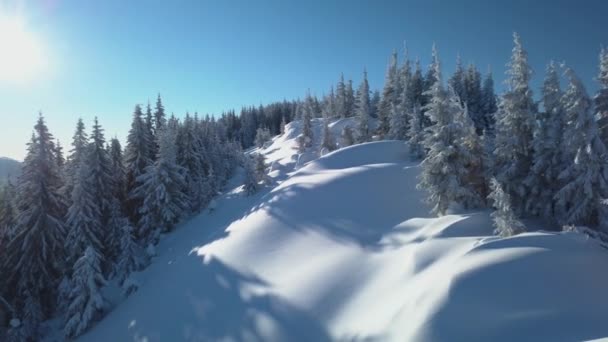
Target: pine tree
86, 300
307, 121
117, 170
328, 143
547, 138
363, 110
601, 98
102, 180
584, 177
347, 136
34, 255
8, 214
389, 96
260, 168
190, 157
399, 120
77, 154
350, 99
513, 154
251, 185
84, 217
341, 98
416, 134
149, 132
137, 159
161, 190
159, 115
283, 123
474, 99
488, 102
505, 221
444, 170
457, 82
130, 255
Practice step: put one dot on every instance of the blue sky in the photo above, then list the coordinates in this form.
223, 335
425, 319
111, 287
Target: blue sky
207, 56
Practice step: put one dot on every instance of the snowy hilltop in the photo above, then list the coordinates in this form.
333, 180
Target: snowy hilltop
342, 248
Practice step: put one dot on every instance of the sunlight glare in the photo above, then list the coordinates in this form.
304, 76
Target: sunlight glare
21, 54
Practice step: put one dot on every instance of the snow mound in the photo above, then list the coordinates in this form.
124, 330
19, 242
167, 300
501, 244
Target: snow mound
344, 249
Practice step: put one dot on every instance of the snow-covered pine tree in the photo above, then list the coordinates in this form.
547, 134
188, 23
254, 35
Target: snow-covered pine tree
118, 172
149, 131
190, 157
137, 158
416, 133
476, 170
547, 146
363, 110
444, 170
341, 97
282, 126
601, 98
260, 168
161, 189
328, 142
416, 86
34, 256
8, 214
585, 177
262, 136
130, 256
347, 136
457, 81
505, 221
488, 102
374, 103
77, 154
474, 99
389, 96
350, 99
101, 180
251, 185
399, 120
307, 120
515, 119
84, 217
159, 115
86, 300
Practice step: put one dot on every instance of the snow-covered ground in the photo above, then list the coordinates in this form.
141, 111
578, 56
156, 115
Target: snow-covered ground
342, 248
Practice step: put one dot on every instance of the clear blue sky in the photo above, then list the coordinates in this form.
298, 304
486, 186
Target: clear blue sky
207, 56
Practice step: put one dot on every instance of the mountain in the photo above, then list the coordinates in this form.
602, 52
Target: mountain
9, 168
342, 248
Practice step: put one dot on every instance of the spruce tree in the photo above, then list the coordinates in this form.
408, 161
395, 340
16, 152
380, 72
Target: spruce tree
488, 102
328, 142
580, 201
416, 133
341, 98
307, 121
77, 154
363, 110
137, 159
161, 189
84, 217
515, 120
34, 256
347, 136
389, 96
159, 115
474, 99
86, 300
251, 184
601, 98
444, 170
457, 81
505, 221
117, 170
350, 99
547, 146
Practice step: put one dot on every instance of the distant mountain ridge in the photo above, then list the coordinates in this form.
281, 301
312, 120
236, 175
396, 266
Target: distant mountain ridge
9, 168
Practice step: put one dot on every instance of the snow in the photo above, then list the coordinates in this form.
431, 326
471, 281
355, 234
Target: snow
344, 249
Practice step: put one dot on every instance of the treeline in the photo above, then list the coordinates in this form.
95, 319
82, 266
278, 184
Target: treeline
68, 225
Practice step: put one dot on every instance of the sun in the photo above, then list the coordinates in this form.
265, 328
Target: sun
21, 54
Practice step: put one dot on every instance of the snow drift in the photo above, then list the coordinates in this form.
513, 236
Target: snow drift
343, 249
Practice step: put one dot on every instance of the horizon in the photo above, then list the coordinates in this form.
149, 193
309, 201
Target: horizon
206, 57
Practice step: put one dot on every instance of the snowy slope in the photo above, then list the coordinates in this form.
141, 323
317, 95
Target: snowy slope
343, 249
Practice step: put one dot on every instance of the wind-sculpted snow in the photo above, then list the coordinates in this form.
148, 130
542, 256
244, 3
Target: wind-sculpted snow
343, 249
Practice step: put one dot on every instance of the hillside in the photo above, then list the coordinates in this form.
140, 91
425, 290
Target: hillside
9, 168
342, 248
